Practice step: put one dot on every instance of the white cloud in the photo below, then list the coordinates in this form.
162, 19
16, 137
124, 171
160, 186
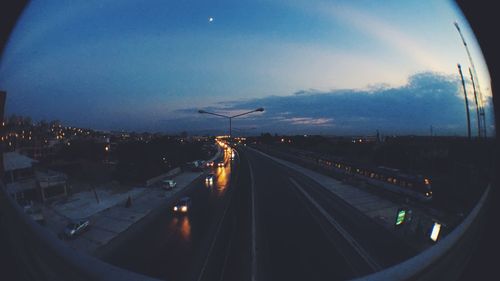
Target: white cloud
309, 121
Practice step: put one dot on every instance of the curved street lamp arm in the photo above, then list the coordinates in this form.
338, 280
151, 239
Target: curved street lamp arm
255, 110
206, 112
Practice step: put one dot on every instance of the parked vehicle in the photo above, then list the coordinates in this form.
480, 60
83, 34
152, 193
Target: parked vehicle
168, 184
76, 228
196, 165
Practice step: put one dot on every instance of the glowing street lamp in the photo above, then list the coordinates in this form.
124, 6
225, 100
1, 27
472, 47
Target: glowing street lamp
260, 109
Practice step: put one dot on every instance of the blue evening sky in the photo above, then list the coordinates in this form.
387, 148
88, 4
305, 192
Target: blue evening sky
129, 65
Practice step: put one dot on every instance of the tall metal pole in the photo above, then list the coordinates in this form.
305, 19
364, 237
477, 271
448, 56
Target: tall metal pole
479, 130
466, 101
260, 109
481, 106
3, 96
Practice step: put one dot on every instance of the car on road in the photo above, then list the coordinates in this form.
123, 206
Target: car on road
76, 228
183, 205
221, 164
196, 165
168, 184
210, 163
210, 179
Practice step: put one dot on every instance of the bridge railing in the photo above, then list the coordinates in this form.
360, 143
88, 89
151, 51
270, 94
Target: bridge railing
42, 256
447, 258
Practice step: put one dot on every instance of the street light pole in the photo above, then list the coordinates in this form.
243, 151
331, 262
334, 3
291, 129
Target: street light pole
260, 109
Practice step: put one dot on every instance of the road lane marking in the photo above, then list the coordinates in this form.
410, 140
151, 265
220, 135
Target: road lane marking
230, 240
354, 244
225, 259
212, 245
254, 244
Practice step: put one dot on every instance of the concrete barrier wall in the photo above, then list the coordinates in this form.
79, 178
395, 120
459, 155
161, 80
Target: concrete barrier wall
161, 177
42, 256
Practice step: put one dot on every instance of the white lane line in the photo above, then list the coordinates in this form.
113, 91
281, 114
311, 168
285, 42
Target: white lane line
354, 244
215, 238
254, 244
230, 240
225, 260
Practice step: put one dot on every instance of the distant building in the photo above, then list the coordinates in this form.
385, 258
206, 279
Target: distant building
40, 150
19, 177
364, 139
52, 184
26, 185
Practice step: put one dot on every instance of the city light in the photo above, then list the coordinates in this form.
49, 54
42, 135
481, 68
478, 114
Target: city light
400, 217
436, 228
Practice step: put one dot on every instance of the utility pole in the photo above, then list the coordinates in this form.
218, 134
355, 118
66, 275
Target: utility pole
479, 129
481, 106
3, 96
95, 194
466, 101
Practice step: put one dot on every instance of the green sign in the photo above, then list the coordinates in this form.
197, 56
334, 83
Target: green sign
401, 217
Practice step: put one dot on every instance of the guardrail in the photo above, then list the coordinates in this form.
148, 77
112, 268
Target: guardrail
42, 256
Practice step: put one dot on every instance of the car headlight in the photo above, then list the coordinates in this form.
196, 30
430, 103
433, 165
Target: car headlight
175, 208
184, 208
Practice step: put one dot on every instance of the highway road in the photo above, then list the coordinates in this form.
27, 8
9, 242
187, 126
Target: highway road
260, 221
173, 246
304, 232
